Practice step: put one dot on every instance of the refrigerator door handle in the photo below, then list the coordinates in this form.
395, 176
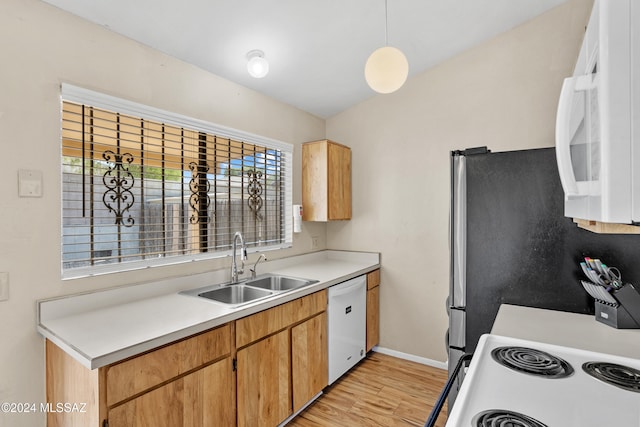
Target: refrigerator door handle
458, 231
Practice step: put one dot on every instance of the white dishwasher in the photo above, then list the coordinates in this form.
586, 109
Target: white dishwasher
347, 325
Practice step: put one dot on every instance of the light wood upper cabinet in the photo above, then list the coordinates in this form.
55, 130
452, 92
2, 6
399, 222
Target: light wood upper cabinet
606, 227
326, 181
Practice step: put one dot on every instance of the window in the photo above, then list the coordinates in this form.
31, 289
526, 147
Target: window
144, 187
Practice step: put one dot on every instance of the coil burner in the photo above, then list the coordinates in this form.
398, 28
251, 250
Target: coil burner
501, 418
531, 361
620, 376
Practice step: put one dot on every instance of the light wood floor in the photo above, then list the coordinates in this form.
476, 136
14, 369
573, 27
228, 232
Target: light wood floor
380, 391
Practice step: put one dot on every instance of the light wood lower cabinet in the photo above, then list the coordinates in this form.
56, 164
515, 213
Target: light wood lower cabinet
309, 359
373, 309
187, 383
200, 399
264, 379
284, 363
133, 376
280, 364
69, 381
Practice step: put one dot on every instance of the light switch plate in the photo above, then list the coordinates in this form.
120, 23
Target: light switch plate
29, 183
4, 286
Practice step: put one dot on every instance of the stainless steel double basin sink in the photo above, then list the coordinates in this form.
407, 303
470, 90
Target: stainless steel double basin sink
250, 290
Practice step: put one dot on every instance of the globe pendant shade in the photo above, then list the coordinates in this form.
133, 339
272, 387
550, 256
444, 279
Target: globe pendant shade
386, 69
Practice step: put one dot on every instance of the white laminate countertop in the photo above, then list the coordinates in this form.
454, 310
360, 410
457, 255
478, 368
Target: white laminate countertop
104, 327
566, 329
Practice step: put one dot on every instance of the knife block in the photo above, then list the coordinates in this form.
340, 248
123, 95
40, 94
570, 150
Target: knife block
626, 315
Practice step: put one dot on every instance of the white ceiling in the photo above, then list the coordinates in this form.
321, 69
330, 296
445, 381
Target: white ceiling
316, 48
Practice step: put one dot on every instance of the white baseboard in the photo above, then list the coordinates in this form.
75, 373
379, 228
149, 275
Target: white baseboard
411, 357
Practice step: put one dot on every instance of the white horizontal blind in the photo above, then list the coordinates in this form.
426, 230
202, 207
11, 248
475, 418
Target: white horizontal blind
153, 188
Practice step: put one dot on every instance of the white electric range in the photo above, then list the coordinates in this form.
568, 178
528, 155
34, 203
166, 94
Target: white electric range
545, 385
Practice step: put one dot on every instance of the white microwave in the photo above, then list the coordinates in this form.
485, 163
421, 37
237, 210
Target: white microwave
598, 119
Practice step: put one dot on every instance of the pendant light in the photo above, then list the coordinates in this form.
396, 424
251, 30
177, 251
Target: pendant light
387, 68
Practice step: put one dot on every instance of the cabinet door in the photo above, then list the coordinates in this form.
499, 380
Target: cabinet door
326, 181
339, 180
309, 367
200, 399
373, 317
314, 181
264, 379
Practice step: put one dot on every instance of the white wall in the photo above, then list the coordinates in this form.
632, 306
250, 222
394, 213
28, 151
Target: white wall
41, 47
502, 94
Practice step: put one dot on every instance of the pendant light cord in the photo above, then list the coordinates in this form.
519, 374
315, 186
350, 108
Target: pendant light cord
386, 24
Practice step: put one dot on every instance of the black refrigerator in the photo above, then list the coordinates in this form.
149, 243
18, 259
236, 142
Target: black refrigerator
511, 243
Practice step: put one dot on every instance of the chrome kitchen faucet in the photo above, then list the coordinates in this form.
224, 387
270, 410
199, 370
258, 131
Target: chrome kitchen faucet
253, 269
243, 257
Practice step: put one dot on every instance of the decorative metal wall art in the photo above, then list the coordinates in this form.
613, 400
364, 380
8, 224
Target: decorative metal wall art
254, 188
199, 187
118, 179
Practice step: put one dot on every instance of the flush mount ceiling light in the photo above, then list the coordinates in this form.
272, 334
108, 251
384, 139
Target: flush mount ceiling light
387, 68
257, 65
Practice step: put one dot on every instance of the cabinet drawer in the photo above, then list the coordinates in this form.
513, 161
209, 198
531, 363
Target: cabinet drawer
373, 279
140, 373
202, 398
259, 325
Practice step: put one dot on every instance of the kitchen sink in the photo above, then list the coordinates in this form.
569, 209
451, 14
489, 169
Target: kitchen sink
279, 283
235, 294
250, 290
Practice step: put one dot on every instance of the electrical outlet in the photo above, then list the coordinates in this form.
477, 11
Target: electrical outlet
314, 242
4, 286
29, 183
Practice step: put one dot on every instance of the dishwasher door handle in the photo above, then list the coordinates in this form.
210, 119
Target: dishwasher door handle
433, 416
358, 281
